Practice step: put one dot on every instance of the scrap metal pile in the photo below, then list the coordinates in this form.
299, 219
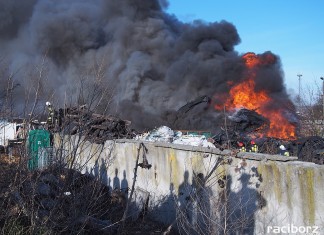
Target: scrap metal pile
94, 127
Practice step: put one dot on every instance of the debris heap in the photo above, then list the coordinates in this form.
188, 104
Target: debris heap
310, 149
242, 126
94, 127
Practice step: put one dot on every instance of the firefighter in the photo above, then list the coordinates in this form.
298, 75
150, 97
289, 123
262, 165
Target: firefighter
241, 146
50, 117
20, 133
254, 147
283, 151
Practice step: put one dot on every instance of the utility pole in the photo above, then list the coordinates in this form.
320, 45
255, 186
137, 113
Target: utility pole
322, 78
299, 97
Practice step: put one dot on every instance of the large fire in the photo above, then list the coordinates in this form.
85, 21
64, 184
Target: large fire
245, 95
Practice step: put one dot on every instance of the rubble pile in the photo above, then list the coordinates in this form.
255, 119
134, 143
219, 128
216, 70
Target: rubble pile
95, 127
310, 149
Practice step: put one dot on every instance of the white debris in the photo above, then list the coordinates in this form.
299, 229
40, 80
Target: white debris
194, 140
161, 134
166, 134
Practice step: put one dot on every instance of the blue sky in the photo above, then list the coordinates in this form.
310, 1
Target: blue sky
294, 30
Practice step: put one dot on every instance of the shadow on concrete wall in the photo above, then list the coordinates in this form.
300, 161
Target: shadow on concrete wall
242, 205
103, 172
124, 184
188, 211
195, 210
166, 209
193, 214
116, 181
100, 171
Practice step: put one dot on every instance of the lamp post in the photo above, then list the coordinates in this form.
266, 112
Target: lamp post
299, 98
322, 78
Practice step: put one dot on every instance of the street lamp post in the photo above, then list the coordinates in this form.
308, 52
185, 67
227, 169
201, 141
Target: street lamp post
322, 78
299, 97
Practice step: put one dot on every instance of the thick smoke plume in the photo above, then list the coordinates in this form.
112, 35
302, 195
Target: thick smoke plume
151, 63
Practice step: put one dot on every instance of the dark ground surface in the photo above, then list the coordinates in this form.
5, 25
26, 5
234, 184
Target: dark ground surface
88, 197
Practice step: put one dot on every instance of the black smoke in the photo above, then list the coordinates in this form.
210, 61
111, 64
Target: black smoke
150, 62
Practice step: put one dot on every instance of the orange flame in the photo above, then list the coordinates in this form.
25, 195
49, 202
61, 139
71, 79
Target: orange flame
245, 95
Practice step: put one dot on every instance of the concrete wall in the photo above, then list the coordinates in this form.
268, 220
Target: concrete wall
262, 189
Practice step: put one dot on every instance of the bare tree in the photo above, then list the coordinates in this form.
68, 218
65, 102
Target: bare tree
60, 198
311, 111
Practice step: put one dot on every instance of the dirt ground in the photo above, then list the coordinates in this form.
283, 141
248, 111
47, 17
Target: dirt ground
8, 168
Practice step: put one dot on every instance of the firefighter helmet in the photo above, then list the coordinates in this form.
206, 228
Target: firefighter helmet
282, 147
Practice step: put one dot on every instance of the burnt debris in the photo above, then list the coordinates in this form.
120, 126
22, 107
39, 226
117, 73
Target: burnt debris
94, 127
248, 121
241, 127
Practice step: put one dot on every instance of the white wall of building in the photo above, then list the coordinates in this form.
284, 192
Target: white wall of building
7, 131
